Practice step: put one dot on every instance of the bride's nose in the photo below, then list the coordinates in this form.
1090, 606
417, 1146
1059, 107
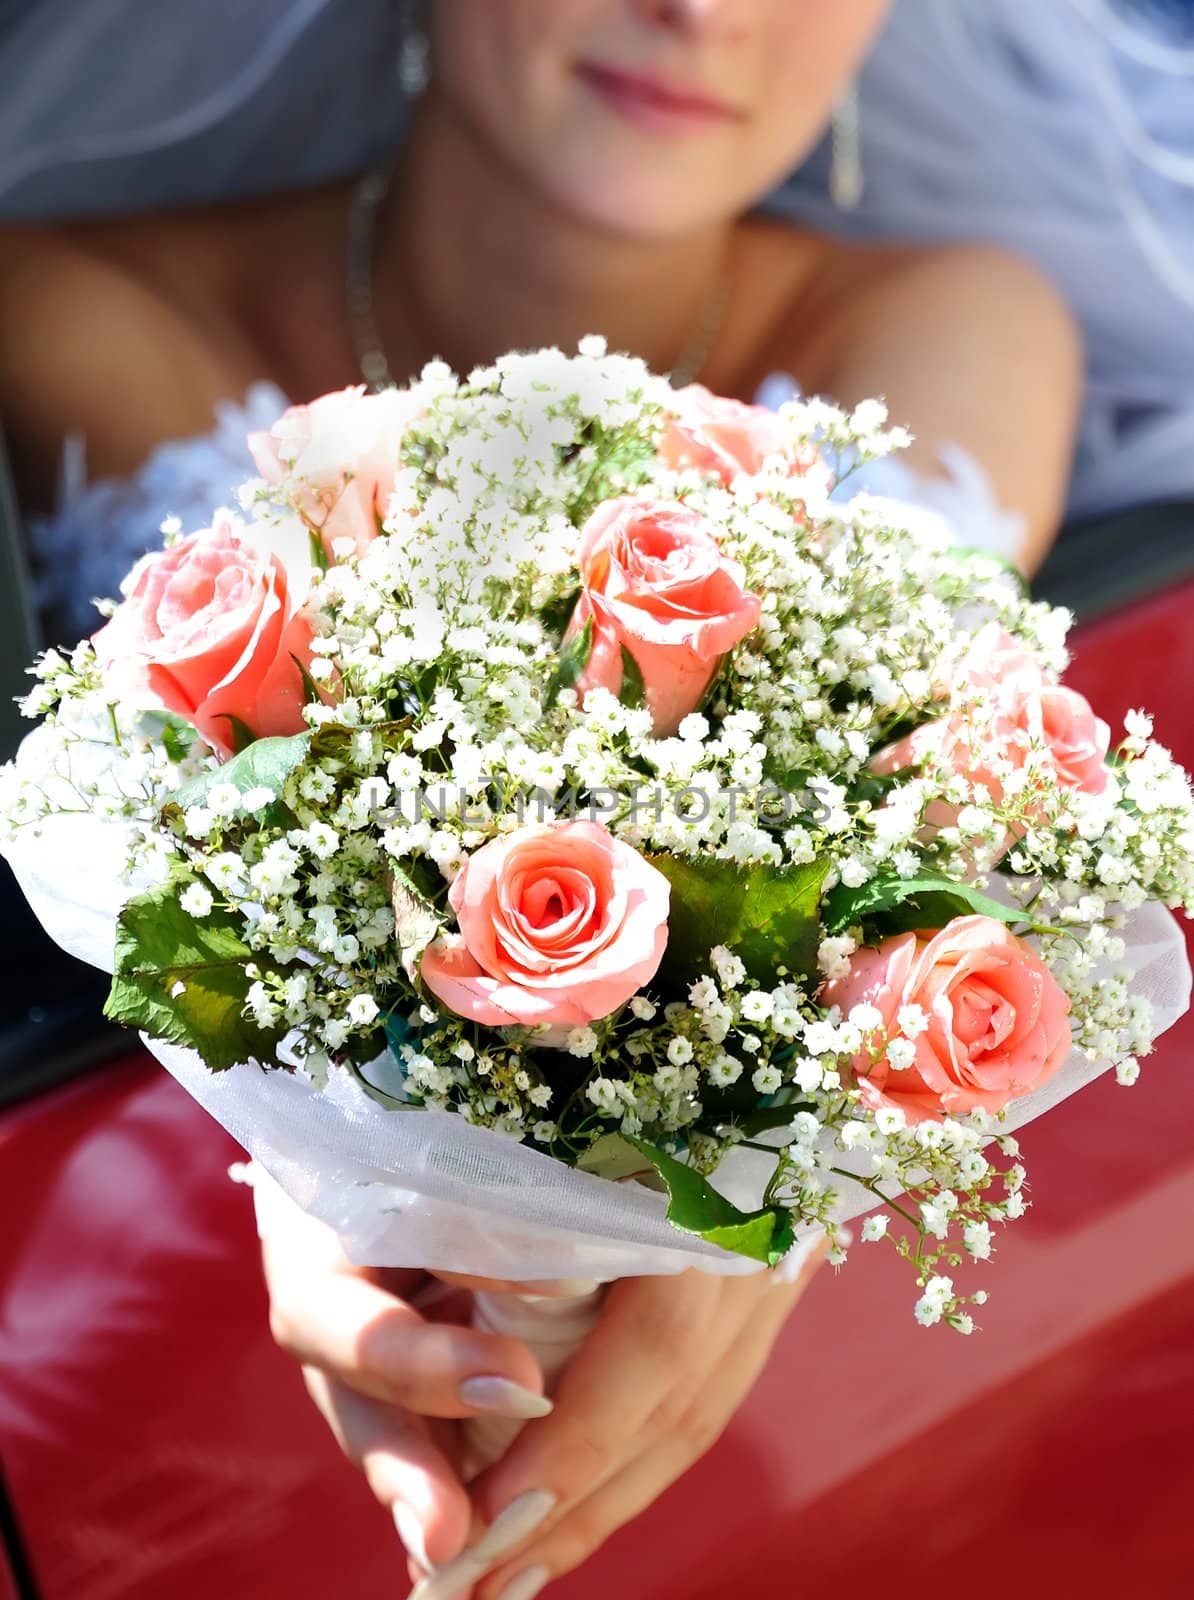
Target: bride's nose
695, 16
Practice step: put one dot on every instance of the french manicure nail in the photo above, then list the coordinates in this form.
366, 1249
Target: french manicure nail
452, 1580
527, 1584
410, 1531
509, 1528
503, 1398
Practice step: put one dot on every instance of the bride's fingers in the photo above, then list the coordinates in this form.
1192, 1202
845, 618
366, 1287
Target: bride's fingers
381, 1347
668, 1453
649, 1342
405, 1469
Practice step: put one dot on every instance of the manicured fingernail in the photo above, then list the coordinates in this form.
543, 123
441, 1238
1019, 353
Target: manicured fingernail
520, 1518
410, 1531
503, 1398
450, 1582
527, 1584
511, 1526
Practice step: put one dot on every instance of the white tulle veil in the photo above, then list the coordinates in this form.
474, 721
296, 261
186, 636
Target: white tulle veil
1063, 128
114, 106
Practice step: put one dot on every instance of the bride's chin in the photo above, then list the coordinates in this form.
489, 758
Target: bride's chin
660, 210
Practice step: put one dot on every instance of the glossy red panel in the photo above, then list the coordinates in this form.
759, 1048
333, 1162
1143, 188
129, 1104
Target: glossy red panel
157, 1445
154, 1441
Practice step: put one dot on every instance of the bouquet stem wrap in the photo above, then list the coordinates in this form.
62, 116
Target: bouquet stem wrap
553, 1329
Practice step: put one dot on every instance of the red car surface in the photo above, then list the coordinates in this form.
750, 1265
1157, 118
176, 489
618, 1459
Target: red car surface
155, 1444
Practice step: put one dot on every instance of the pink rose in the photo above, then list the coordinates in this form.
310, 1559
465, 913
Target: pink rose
1029, 718
996, 1018
335, 460
726, 437
212, 630
560, 923
655, 581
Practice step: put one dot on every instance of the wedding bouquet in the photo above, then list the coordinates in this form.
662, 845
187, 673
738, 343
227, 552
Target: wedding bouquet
558, 839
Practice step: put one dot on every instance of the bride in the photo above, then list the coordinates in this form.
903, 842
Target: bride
572, 166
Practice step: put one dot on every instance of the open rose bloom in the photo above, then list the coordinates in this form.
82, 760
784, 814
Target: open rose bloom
559, 925
732, 440
552, 891
656, 583
335, 460
990, 1020
1011, 725
214, 630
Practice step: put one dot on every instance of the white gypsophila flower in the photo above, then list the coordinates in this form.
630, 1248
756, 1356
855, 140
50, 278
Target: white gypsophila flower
912, 1021
198, 821
867, 1018
977, 1238
223, 799
362, 1009
757, 1006
901, 1054
730, 970
873, 1227
833, 956
196, 900
226, 871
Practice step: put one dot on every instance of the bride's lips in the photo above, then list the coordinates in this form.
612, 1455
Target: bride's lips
654, 104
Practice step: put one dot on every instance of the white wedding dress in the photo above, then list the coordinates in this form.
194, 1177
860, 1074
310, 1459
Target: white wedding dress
98, 529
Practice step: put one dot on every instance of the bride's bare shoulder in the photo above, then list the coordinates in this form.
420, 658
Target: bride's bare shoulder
127, 332
968, 344
850, 298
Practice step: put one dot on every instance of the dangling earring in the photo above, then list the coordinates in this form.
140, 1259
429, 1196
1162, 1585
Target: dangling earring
414, 53
846, 182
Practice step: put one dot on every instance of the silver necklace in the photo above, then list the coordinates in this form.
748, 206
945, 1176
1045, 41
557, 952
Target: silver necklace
368, 198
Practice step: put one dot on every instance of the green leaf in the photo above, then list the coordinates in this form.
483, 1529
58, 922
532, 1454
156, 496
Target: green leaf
240, 735
770, 1116
573, 659
319, 556
766, 916
963, 553
311, 694
889, 904
176, 734
160, 947
264, 764
612, 1157
694, 1206
557, 613
416, 921
633, 692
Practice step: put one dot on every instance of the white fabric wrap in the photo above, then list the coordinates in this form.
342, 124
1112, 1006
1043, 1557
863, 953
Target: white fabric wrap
415, 1188
553, 1330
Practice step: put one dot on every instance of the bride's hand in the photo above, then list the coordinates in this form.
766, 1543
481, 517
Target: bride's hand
657, 1381
651, 1390
386, 1368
